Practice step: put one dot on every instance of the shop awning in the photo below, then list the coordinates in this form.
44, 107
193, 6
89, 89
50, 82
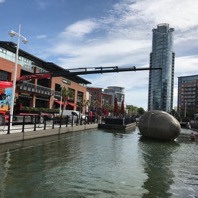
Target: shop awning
71, 104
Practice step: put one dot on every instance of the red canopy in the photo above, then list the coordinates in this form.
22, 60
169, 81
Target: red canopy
34, 76
71, 104
5, 84
59, 102
122, 108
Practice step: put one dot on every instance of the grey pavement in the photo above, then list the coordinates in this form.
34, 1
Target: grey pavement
28, 127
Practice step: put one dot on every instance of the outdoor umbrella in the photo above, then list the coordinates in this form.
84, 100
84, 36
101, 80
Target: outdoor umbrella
115, 107
122, 108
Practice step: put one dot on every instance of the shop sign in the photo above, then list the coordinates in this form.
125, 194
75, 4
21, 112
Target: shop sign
67, 82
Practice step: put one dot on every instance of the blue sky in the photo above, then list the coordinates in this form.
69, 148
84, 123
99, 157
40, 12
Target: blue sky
91, 33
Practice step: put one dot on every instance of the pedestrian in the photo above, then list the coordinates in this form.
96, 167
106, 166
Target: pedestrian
188, 125
192, 137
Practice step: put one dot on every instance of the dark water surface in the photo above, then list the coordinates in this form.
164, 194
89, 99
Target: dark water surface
99, 163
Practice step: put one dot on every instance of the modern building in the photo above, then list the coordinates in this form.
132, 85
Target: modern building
187, 104
115, 92
161, 81
39, 92
103, 100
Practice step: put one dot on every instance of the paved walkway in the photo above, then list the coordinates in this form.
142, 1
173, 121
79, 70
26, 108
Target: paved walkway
28, 127
185, 131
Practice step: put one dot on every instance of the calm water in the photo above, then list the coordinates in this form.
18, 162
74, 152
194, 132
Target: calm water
99, 163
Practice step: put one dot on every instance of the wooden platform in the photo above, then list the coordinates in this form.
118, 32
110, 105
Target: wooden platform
117, 127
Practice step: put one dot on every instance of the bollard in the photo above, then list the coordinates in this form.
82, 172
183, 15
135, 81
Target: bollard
35, 120
44, 119
23, 124
60, 122
67, 119
53, 122
72, 120
8, 132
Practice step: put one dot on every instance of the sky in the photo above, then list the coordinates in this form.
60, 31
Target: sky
93, 33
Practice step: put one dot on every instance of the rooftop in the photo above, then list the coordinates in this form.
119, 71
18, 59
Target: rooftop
49, 66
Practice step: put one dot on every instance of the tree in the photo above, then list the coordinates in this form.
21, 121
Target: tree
141, 111
83, 103
132, 110
93, 104
108, 107
65, 94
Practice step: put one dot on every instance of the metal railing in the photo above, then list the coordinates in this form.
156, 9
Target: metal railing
36, 122
26, 86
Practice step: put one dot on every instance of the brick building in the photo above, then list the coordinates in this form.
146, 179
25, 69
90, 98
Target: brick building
44, 92
95, 94
104, 100
187, 103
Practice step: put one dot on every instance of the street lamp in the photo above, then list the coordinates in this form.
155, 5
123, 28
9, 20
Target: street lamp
24, 40
60, 107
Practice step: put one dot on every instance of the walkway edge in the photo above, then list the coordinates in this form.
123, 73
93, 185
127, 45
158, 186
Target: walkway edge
15, 137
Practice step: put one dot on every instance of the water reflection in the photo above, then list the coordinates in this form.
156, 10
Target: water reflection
157, 161
99, 164
185, 168
120, 133
6, 165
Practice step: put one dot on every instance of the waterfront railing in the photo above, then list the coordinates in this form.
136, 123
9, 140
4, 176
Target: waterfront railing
35, 122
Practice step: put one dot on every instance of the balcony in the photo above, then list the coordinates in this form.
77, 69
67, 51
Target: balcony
32, 88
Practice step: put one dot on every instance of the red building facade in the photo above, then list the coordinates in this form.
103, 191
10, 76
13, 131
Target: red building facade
41, 92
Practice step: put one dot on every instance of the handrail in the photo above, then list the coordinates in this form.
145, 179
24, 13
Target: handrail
34, 123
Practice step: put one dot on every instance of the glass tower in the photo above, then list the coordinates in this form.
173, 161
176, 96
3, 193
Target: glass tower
160, 96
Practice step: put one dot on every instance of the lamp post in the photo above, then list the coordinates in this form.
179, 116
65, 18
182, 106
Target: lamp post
24, 40
60, 108
61, 100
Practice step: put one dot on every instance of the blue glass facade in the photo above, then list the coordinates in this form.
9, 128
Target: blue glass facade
160, 95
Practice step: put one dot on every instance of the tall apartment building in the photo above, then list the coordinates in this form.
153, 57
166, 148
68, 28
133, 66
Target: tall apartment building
187, 104
160, 96
41, 93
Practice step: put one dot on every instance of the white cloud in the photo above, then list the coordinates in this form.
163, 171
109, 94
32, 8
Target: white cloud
80, 28
186, 65
41, 36
180, 14
126, 40
111, 52
42, 4
2, 1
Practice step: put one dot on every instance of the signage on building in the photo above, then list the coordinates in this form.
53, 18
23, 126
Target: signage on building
25, 95
67, 82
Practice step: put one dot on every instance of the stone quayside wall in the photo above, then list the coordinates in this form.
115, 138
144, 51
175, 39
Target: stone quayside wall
20, 136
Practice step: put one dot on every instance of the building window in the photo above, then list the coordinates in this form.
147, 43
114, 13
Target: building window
3, 51
5, 76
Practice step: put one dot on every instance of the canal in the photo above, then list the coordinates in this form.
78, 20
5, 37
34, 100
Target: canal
99, 163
